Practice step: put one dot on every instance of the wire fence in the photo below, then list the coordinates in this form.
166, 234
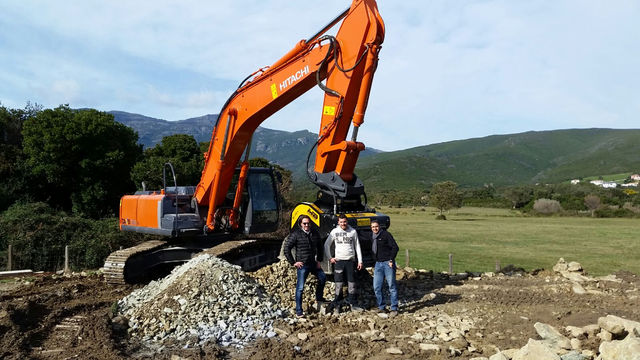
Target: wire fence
61, 258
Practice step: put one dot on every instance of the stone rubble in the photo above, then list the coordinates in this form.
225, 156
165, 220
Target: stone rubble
208, 299
204, 300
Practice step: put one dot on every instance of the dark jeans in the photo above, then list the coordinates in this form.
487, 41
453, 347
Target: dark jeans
383, 271
302, 273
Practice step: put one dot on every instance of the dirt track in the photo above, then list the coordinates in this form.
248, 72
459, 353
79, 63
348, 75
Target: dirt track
62, 318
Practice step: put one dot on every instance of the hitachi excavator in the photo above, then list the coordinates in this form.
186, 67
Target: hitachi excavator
233, 198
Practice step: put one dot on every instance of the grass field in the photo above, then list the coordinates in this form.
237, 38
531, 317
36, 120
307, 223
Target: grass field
477, 237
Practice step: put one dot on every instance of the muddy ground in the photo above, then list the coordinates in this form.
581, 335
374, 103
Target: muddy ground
54, 317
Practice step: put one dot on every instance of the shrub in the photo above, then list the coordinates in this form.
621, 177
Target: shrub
610, 212
547, 206
39, 233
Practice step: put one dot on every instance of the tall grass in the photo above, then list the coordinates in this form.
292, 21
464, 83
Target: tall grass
477, 237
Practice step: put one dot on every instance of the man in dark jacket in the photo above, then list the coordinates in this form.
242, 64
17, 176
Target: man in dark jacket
309, 253
384, 249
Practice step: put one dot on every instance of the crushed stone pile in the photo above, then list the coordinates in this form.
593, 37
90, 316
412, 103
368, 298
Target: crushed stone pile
205, 300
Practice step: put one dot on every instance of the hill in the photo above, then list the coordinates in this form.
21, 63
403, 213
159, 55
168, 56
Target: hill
287, 149
530, 157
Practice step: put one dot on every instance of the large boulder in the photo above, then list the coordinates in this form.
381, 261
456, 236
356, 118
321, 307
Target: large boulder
627, 349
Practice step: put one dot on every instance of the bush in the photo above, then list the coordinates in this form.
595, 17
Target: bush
547, 206
610, 213
39, 233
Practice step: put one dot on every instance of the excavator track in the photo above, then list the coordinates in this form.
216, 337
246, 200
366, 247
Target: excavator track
133, 264
114, 265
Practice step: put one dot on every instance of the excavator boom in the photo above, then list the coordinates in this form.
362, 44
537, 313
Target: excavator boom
347, 62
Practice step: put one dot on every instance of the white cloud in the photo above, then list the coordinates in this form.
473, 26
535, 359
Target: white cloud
448, 70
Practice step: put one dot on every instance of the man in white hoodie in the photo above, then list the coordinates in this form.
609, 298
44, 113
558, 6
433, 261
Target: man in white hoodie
346, 256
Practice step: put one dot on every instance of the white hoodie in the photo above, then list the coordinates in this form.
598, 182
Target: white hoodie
347, 245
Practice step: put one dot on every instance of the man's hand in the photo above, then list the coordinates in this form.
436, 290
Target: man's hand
391, 264
298, 264
319, 264
359, 266
333, 260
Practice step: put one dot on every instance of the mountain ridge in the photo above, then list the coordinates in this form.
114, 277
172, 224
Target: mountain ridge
501, 160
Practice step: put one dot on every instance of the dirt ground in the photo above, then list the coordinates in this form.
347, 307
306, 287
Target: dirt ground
53, 317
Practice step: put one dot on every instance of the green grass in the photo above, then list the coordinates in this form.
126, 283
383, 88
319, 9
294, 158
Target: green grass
477, 237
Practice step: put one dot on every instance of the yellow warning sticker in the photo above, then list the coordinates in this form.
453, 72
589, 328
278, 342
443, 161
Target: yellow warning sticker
274, 92
363, 222
329, 110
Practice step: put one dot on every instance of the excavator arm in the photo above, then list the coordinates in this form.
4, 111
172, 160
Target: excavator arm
347, 61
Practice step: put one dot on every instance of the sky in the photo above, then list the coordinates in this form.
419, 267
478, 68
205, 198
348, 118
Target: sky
448, 69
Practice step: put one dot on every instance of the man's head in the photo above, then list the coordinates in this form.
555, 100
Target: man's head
375, 226
342, 221
305, 223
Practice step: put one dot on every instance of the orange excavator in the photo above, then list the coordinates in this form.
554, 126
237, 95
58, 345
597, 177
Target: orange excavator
234, 198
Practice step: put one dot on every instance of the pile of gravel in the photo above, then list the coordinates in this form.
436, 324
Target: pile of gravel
207, 299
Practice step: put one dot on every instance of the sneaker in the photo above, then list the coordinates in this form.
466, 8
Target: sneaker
336, 311
301, 315
322, 301
356, 308
382, 311
393, 313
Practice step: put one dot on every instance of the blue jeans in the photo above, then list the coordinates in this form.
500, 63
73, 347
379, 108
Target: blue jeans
302, 273
381, 271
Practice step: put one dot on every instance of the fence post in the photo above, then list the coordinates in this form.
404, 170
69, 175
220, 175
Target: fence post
497, 265
66, 259
406, 258
450, 263
9, 260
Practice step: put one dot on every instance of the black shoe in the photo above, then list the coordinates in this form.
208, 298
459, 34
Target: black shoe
382, 311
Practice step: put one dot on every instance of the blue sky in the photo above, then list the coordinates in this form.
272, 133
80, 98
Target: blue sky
448, 70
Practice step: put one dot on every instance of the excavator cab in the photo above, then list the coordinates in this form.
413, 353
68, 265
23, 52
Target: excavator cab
173, 211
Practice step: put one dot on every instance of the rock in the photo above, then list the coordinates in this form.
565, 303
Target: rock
303, 336
560, 266
383, 315
535, 350
604, 335
617, 325
575, 277
394, 351
479, 358
578, 289
627, 349
588, 354
430, 347
498, 356
591, 330
552, 337
573, 355
574, 267
575, 331
576, 344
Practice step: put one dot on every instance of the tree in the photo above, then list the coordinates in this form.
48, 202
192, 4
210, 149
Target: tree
519, 196
592, 202
444, 196
14, 183
182, 151
80, 159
